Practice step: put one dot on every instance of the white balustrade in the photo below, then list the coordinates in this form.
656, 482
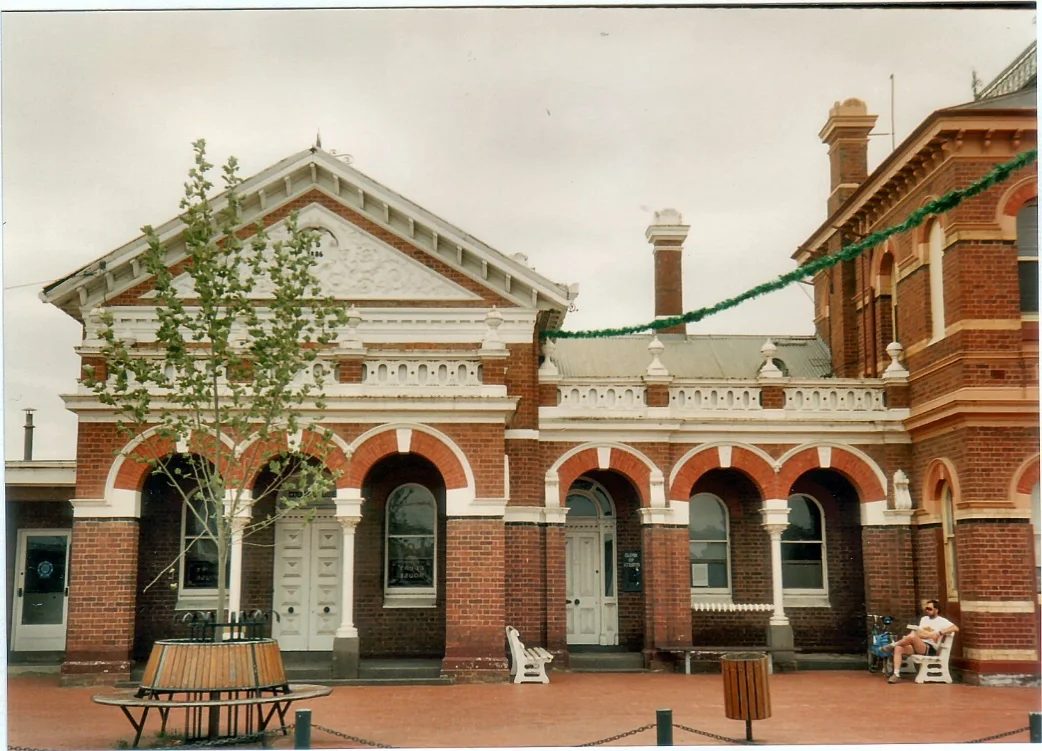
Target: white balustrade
730, 607
834, 398
600, 397
397, 373
712, 398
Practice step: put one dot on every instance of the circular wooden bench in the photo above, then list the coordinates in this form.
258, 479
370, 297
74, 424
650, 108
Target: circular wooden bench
211, 679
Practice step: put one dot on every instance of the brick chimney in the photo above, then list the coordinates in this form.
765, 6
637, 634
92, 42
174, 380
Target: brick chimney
667, 235
846, 134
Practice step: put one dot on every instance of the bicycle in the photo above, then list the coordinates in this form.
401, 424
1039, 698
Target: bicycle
879, 637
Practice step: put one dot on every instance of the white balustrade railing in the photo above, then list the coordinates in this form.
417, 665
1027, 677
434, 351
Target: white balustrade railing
398, 373
712, 398
600, 397
835, 398
730, 607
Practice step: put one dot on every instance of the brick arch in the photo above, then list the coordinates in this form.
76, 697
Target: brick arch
859, 468
132, 466
625, 460
323, 446
749, 460
436, 447
879, 256
937, 471
1024, 480
1016, 196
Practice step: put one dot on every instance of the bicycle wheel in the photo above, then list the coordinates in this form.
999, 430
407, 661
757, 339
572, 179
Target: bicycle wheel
873, 661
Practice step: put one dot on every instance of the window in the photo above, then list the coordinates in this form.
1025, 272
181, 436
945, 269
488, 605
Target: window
199, 548
1027, 256
411, 570
951, 565
709, 546
936, 260
803, 546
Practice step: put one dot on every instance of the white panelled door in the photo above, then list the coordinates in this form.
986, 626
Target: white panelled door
41, 601
308, 565
582, 587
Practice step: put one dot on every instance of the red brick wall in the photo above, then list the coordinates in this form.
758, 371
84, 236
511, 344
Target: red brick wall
474, 610
890, 572
669, 292
101, 601
525, 581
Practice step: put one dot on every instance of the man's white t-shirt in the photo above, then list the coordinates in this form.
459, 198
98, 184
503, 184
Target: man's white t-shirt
937, 623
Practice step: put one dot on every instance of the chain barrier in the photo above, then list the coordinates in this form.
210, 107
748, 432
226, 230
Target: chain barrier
724, 738
628, 733
352, 738
1000, 735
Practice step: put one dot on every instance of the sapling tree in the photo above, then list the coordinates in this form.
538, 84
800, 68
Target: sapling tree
240, 323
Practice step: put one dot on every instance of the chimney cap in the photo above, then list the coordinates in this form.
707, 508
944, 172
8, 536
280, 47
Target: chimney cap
848, 119
668, 224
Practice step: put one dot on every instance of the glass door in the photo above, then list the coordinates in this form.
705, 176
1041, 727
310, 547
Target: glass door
41, 590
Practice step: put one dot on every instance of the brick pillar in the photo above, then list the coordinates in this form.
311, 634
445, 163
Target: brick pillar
667, 593
555, 618
667, 236
889, 565
525, 589
475, 640
998, 635
846, 134
102, 601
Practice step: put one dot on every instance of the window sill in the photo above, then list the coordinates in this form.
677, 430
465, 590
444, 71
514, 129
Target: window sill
717, 598
196, 602
395, 600
809, 600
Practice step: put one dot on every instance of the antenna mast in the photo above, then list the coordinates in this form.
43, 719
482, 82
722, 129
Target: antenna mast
893, 142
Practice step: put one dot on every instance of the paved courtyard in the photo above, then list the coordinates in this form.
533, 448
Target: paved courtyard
827, 707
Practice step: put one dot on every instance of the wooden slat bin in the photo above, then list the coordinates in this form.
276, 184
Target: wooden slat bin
747, 694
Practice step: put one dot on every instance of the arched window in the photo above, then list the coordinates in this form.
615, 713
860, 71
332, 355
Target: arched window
412, 537
709, 545
951, 561
936, 260
1027, 255
1036, 526
803, 546
886, 286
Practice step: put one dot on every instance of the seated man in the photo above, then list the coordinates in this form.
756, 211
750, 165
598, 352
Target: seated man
924, 640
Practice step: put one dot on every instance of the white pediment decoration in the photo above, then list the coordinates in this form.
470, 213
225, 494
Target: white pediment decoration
354, 265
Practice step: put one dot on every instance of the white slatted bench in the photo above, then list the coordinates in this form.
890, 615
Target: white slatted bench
933, 668
702, 652
528, 665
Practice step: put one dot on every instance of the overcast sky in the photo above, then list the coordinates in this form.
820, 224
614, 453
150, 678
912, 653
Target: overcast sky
554, 133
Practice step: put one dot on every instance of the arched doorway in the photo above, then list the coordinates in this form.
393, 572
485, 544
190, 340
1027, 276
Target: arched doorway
591, 590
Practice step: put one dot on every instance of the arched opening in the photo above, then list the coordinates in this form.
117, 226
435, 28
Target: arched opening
603, 563
886, 289
823, 575
946, 497
738, 555
400, 560
177, 561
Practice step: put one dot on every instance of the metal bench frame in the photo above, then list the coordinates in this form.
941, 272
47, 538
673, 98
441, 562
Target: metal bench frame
699, 651
195, 728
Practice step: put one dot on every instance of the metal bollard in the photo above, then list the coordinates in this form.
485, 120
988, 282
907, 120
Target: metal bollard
664, 726
1035, 726
302, 730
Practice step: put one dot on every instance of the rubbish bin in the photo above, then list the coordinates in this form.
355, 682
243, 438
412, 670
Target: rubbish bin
747, 694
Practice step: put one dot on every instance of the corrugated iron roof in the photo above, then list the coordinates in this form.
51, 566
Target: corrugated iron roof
693, 356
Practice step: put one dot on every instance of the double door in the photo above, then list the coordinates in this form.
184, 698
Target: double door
41, 596
308, 571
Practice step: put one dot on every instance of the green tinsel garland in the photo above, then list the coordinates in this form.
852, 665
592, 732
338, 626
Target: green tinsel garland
940, 205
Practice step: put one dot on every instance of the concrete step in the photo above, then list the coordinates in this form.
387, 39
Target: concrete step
606, 662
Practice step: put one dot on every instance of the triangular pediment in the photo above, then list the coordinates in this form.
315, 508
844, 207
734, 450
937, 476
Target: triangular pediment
354, 265
382, 247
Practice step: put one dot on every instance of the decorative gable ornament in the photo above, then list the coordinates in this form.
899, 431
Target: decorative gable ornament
353, 265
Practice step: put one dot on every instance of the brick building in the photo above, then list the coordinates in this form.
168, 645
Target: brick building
631, 492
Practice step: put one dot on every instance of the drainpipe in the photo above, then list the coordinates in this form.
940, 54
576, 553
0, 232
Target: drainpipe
28, 452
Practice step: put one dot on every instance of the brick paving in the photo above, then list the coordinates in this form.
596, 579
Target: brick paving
826, 707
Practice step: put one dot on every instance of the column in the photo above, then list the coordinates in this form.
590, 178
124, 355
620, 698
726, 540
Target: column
779, 631
345, 641
238, 507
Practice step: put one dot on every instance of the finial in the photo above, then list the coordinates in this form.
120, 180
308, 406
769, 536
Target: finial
318, 139
656, 368
769, 369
